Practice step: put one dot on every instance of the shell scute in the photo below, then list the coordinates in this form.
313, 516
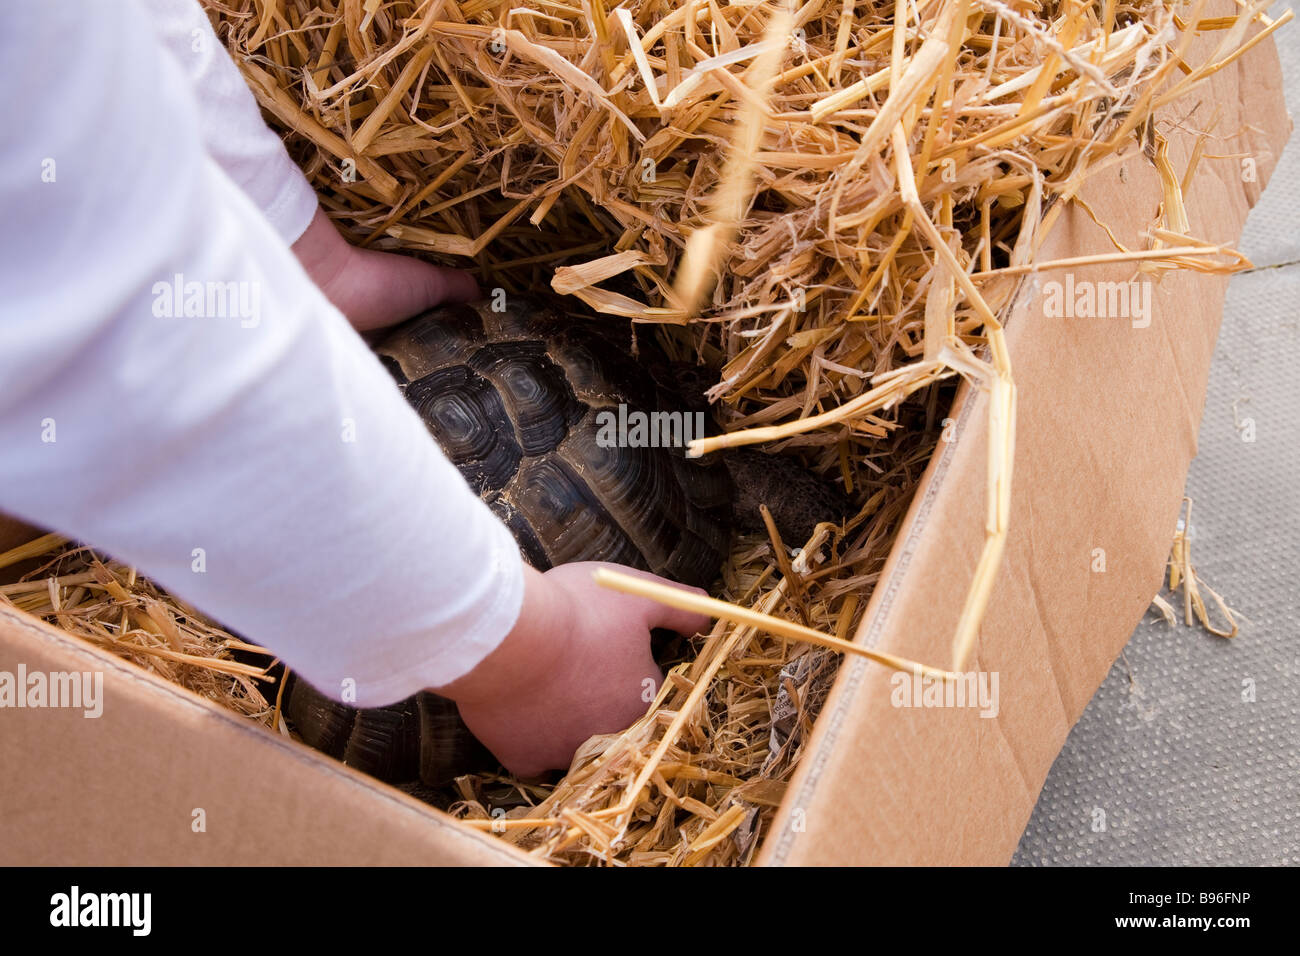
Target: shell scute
467, 416
539, 402
566, 517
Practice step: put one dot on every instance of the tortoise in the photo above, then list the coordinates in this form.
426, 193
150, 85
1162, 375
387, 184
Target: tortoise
522, 402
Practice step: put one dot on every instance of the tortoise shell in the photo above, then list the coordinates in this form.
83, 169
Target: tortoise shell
514, 397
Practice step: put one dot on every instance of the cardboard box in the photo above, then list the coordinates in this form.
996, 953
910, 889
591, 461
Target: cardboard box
1108, 416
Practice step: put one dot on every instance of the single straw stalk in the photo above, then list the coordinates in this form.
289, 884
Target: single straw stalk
689, 601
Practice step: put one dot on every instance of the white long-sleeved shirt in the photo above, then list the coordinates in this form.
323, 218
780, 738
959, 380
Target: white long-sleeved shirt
175, 390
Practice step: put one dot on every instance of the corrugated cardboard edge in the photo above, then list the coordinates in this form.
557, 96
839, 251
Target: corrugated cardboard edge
1107, 426
164, 777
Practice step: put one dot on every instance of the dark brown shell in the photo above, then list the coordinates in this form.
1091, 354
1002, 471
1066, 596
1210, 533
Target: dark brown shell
512, 397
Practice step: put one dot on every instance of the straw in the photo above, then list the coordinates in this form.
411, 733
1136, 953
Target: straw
688, 601
1182, 573
110, 605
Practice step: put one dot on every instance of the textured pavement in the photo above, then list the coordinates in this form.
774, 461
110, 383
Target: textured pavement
1189, 754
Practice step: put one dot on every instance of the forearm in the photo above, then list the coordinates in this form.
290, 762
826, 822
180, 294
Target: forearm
258, 462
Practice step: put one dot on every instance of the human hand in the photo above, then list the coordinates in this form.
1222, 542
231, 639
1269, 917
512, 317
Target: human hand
371, 288
577, 663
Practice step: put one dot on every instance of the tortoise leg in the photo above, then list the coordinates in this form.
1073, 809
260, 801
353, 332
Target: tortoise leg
385, 742
321, 722
447, 748
381, 741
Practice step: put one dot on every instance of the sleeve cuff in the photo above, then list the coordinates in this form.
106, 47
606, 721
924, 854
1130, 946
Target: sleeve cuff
294, 204
458, 656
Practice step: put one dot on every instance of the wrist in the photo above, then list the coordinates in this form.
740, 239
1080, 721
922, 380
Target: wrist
532, 656
321, 250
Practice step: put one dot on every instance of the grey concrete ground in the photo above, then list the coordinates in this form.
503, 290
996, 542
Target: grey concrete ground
1189, 754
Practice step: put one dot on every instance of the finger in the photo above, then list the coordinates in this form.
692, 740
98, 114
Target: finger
383, 288
452, 285
661, 615
672, 618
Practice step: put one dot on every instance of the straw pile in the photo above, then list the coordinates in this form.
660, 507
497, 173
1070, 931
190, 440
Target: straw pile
112, 606
828, 205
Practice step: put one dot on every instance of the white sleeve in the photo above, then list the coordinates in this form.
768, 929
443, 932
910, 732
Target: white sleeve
232, 126
237, 442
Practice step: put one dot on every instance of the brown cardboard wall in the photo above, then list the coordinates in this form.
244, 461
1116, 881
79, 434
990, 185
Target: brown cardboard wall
1106, 427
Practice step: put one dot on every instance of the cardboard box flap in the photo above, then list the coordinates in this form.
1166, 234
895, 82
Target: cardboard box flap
1097, 486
